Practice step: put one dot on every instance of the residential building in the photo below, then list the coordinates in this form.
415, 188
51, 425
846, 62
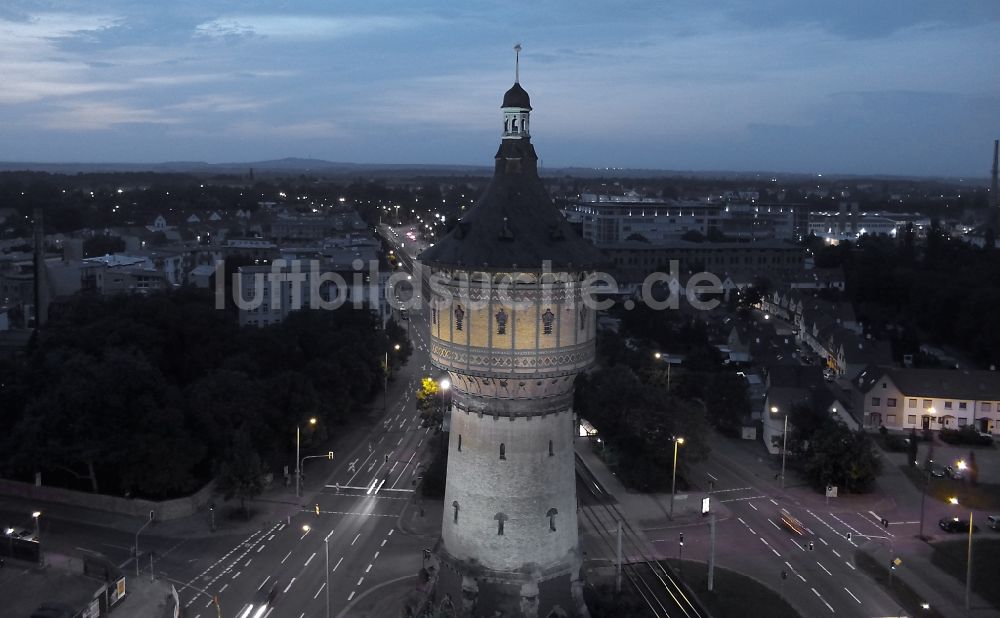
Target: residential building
929, 398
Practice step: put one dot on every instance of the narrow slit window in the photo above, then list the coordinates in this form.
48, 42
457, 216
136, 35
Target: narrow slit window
459, 443
551, 452
503, 451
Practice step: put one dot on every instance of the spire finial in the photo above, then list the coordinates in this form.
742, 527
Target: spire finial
517, 63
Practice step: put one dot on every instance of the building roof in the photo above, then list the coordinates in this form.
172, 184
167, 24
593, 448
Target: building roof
514, 224
516, 97
937, 383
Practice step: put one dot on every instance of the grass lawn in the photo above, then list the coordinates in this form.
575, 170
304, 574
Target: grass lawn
982, 497
733, 593
904, 595
950, 557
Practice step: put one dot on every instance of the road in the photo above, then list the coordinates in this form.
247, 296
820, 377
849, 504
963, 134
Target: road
821, 577
343, 531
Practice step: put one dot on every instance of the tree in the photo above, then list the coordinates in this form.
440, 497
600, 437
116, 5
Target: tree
838, 456
429, 402
240, 473
727, 401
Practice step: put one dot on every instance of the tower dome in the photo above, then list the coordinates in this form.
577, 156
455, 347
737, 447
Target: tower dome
516, 97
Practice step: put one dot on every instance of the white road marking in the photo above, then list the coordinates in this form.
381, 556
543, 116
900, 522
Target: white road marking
773, 501
286, 557
359, 581
320, 590
821, 540
835, 553
349, 597
776, 527
792, 569
260, 549
263, 582
337, 565
852, 595
270, 538
391, 530
356, 539
850, 565
289, 586
376, 556
247, 563
368, 569
796, 543
209, 604
824, 600
383, 542
223, 589
824, 568
711, 476
309, 559
750, 504
237, 574
400, 441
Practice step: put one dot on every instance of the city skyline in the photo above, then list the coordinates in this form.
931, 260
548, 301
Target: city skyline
776, 86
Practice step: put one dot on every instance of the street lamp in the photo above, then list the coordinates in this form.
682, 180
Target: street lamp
385, 383
673, 483
659, 356
784, 445
298, 462
38, 531
968, 562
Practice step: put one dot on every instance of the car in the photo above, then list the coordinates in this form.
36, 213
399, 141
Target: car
956, 524
262, 602
993, 521
937, 472
952, 473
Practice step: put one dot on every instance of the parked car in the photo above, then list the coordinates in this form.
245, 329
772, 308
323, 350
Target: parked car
993, 521
952, 472
956, 524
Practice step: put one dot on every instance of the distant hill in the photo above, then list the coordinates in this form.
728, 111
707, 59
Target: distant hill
296, 165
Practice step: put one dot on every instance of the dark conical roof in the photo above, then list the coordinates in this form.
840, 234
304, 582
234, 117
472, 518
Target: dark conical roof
514, 225
516, 97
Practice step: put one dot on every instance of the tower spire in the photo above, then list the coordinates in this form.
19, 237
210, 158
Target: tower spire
517, 63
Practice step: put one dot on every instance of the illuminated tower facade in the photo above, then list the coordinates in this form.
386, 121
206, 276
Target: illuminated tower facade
509, 326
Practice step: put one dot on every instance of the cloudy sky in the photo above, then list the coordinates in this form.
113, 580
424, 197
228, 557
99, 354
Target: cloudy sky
854, 86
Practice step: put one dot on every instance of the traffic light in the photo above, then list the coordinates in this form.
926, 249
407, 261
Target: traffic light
681, 538
317, 510
784, 574
848, 536
811, 546
885, 523
329, 455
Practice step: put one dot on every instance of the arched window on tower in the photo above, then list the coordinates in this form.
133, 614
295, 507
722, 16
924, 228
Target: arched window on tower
459, 317
500, 518
503, 451
551, 514
501, 317
459, 443
548, 318
455, 506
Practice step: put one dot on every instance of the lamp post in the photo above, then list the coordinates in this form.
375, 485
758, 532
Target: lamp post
659, 356
673, 483
443, 385
968, 562
298, 462
784, 445
385, 383
38, 531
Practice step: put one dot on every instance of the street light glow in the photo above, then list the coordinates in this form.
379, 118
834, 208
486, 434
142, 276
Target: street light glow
680, 440
774, 409
36, 514
953, 500
306, 528
657, 356
961, 464
312, 421
445, 384
396, 347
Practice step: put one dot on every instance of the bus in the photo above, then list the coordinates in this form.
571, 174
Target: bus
792, 523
